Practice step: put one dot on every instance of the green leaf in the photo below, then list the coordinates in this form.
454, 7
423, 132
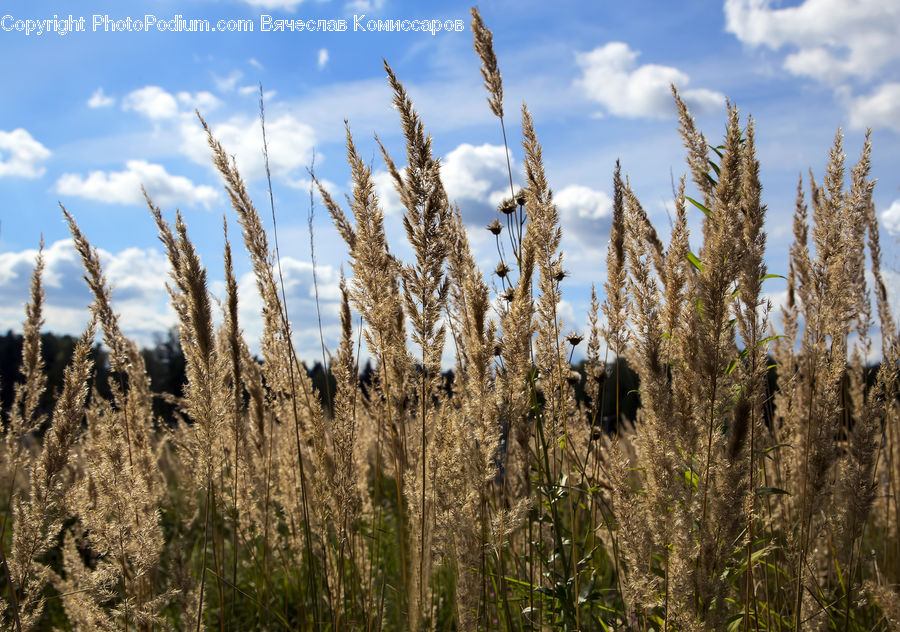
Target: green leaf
694, 261
769, 491
767, 452
734, 623
692, 479
773, 276
705, 210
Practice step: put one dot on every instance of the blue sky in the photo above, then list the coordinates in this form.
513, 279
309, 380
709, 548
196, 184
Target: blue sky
87, 117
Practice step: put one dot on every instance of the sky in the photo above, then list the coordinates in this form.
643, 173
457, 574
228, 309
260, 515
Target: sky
89, 116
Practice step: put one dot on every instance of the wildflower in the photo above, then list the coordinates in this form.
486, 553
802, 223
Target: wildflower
574, 339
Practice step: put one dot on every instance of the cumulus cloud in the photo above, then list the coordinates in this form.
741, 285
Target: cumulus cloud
301, 303
322, 59
124, 187
229, 82
155, 103
21, 155
612, 77
152, 102
474, 176
137, 276
890, 217
100, 100
387, 192
363, 6
880, 108
290, 143
578, 202
476, 173
203, 101
284, 5
585, 215
829, 40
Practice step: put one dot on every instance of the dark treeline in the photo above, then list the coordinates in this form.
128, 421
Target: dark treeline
164, 360
165, 364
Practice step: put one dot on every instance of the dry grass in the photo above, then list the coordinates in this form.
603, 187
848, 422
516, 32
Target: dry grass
494, 500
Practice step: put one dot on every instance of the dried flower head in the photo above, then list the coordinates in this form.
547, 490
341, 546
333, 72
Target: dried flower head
495, 227
507, 206
502, 270
574, 339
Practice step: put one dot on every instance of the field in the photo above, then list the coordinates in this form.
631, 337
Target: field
756, 487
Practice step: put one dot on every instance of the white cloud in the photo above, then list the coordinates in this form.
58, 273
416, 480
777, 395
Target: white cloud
830, 39
285, 5
100, 100
475, 177
387, 192
124, 187
152, 102
300, 293
891, 219
585, 215
21, 155
322, 59
228, 83
476, 173
881, 108
580, 202
290, 143
255, 63
137, 276
612, 77
362, 6
202, 101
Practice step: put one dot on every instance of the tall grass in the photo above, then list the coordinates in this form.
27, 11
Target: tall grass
499, 498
